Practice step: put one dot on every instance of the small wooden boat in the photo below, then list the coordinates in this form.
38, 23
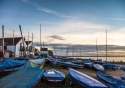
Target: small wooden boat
88, 64
110, 81
69, 64
38, 57
122, 67
99, 61
10, 65
122, 76
53, 75
85, 80
98, 67
109, 64
35, 63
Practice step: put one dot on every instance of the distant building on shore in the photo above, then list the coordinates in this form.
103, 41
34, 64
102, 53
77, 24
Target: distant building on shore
44, 52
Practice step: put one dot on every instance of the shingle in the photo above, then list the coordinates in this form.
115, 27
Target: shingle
9, 41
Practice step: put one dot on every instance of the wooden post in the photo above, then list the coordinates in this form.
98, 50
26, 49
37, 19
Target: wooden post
106, 45
3, 38
96, 48
13, 45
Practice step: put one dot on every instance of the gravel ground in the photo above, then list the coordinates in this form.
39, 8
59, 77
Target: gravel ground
89, 71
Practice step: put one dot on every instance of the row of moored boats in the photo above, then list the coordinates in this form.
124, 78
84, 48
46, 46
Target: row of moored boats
31, 71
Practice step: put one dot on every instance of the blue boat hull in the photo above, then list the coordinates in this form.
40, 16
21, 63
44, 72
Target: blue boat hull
98, 67
85, 80
11, 64
110, 81
69, 64
122, 76
53, 75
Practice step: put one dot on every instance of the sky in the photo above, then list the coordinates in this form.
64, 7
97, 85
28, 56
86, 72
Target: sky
72, 22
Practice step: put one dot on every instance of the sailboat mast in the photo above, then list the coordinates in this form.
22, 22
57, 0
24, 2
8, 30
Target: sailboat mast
54, 49
67, 50
61, 50
40, 37
32, 43
106, 45
43, 50
72, 51
3, 38
24, 52
28, 44
13, 43
76, 51
80, 50
96, 48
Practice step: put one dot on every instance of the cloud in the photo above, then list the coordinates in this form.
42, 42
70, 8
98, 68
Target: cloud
85, 50
83, 25
26, 1
120, 31
77, 32
75, 27
55, 37
114, 18
82, 32
47, 10
43, 9
53, 12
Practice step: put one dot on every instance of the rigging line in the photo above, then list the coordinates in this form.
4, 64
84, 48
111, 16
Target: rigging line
106, 45
96, 48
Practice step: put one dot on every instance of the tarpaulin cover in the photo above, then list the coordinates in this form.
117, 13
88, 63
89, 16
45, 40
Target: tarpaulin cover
23, 78
35, 63
54, 75
122, 76
109, 80
10, 64
98, 67
85, 80
38, 57
109, 64
69, 64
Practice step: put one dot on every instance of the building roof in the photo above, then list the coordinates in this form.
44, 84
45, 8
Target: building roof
28, 42
9, 41
5, 51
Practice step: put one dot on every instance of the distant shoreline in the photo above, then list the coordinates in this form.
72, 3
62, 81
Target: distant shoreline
94, 56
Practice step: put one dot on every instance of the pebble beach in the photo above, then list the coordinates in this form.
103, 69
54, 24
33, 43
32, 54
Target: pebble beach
88, 71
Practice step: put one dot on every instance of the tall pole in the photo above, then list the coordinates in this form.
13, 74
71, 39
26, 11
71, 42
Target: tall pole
24, 52
67, 51
76, 51
72, 50
96, 48
106, 45
32, 43
28, 44
80, 50
40, 37
61, 50
3, 38
54, 50
13, 44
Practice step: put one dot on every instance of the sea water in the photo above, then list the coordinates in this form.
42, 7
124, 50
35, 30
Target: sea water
115, 59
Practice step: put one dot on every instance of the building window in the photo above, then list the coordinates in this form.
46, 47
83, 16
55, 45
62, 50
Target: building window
21, 47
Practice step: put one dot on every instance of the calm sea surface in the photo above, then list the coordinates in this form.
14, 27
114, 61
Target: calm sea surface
108, 58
